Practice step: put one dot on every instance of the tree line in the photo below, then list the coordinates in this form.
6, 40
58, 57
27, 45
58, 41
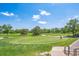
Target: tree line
71, 27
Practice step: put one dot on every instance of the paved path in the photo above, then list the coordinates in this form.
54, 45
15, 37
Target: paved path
58, 51
75, 45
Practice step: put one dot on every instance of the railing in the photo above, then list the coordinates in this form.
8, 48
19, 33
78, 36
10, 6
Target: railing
74, 52
67, 52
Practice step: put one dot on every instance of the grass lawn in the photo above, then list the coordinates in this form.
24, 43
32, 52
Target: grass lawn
29, 45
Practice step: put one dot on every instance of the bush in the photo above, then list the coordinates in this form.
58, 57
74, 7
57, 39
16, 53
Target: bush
24, 31
36, 30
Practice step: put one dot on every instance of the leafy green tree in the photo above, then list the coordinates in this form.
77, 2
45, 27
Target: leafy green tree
77, 30
65, 29
24, 31
6, 28
36, 30
12, 31
17, 31
45, 30
72, 26
56, 30
0, 29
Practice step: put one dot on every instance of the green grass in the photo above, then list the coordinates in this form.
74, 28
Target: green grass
17, 45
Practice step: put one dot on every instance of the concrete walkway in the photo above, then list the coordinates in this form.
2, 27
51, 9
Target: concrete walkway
75, 45
58, 51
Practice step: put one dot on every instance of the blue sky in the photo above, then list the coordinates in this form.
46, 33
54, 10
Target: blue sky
45, 15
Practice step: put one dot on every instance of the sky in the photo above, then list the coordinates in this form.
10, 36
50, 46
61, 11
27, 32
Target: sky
45, 15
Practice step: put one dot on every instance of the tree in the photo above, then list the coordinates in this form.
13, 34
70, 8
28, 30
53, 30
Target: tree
72, 25
0, 29
17, 31
24, 31
12, 31
65, 29
45, 30
36, 30
55, 30
6, 28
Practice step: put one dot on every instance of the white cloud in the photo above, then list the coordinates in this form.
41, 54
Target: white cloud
73, 17
36, 17
43, 12
42, 22
76, 17
7, 14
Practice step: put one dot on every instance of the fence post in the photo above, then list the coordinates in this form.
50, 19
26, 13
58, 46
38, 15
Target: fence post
64, 50
68, 50
75, 52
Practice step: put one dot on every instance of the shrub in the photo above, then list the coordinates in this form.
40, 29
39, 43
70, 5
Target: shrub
36, 30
